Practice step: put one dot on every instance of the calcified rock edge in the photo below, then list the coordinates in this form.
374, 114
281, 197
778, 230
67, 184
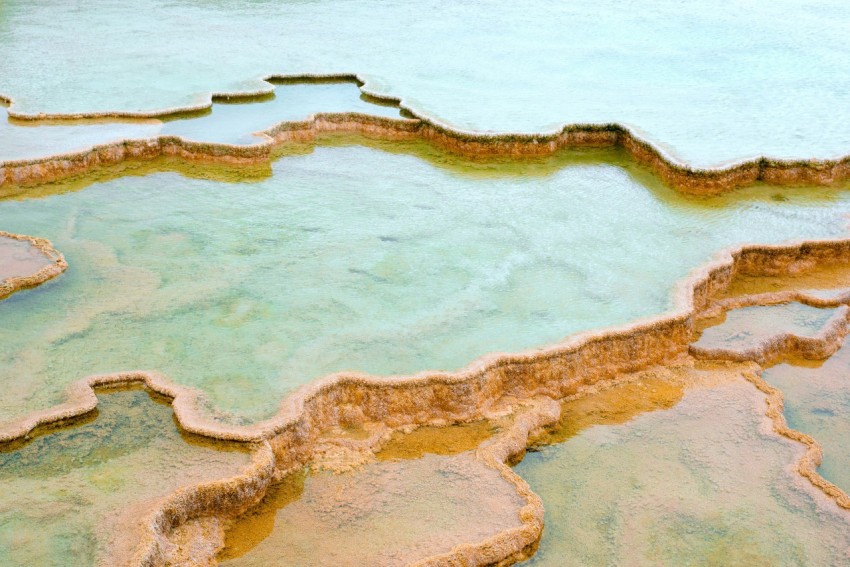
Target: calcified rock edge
527, 384
17, 173
50, 271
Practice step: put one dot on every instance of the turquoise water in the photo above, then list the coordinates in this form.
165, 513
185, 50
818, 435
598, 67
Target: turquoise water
711, 82
70, 495
355, 258
817, 402
228, 123
703, 483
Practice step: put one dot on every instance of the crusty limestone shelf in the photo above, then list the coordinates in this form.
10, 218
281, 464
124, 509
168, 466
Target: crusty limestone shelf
782, 345
347, 399
519, 543
221, 499
472, 144
50, 271
806, 297
211, 507
808, 464
554, 370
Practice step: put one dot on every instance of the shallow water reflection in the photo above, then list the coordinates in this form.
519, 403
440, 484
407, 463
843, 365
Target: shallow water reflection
72, 493
817, 402
387, 513
356, 258
705, 482
19, 258
747, 328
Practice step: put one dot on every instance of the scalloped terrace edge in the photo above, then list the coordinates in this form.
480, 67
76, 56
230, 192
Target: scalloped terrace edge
56, 267
697, 181
818, 347
285, 441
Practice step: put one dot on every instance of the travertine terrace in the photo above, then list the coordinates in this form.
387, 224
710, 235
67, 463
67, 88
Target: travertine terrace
470, 144
492, 385
523, 391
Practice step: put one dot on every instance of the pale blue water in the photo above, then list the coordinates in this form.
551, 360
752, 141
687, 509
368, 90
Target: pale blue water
712, 82
700, 484
234, 123
22, 141
817, 402
353, 258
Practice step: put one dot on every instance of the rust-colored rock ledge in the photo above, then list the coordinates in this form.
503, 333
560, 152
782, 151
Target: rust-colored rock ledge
697, 181
348, 399
783, 345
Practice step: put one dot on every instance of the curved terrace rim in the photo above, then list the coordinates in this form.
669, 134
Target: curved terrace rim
672, 329
283, 442
700, 181
55, 268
